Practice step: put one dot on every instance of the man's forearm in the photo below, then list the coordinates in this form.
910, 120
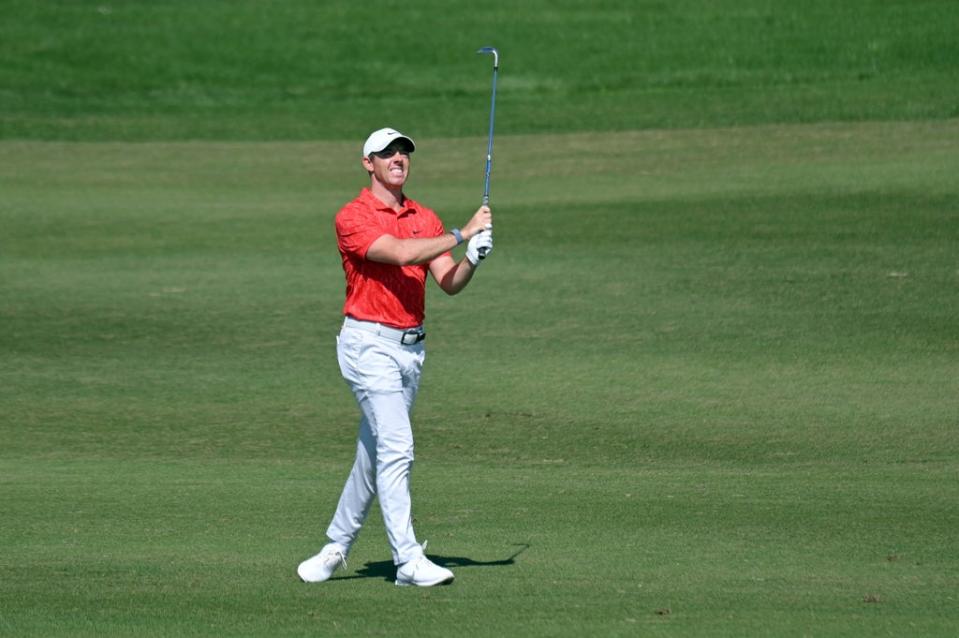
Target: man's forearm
406, 252
456, 278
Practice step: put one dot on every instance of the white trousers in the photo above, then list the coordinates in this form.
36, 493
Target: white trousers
384, 377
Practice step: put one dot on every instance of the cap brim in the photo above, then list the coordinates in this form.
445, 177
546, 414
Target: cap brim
393, 140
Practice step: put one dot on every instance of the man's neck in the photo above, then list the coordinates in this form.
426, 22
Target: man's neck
394, 198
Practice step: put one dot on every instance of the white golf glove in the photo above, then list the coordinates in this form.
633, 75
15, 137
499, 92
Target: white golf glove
479, 247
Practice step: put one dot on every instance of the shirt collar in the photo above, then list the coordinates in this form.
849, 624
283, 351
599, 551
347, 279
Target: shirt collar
409, 205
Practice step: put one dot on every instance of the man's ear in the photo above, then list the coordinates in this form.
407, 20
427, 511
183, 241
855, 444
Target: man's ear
368, 164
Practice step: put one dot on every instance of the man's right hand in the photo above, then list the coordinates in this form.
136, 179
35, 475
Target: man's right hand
481, 220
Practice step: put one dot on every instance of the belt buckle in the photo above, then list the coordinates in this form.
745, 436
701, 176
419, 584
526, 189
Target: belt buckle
412, 337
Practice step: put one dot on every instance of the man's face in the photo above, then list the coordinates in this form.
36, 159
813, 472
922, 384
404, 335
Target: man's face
391, 166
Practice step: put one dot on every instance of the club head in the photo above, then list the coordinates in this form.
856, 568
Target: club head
494, 52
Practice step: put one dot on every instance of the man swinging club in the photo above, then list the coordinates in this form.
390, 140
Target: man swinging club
388, 243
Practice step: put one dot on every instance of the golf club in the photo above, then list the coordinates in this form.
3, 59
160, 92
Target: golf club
492, 116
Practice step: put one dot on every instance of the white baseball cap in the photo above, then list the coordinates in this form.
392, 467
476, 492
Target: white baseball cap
378, 140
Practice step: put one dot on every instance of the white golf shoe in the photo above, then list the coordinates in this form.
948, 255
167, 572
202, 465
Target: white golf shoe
320, 567
422, 572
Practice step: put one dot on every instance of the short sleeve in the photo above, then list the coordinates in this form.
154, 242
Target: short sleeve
356, 229
438, 227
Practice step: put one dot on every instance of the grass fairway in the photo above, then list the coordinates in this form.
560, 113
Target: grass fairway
707, 385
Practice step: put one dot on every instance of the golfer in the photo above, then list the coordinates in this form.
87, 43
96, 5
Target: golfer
388, 243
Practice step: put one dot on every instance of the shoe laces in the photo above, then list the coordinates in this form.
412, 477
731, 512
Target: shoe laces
423, 557
414, 564
336, 557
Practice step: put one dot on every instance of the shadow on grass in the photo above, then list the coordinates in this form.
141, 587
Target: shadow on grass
386, 570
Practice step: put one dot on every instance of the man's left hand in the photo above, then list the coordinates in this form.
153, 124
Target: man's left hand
479, 247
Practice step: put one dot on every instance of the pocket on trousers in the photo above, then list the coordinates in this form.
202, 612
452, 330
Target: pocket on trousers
347, 355
369, 364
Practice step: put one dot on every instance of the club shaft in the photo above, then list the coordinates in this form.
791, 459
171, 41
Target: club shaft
489, 148
492, 119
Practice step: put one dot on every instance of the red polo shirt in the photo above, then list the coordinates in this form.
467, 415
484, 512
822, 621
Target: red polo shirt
387, 294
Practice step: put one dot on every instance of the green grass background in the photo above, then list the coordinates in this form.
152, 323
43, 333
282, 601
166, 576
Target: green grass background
248, 69
707, 384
